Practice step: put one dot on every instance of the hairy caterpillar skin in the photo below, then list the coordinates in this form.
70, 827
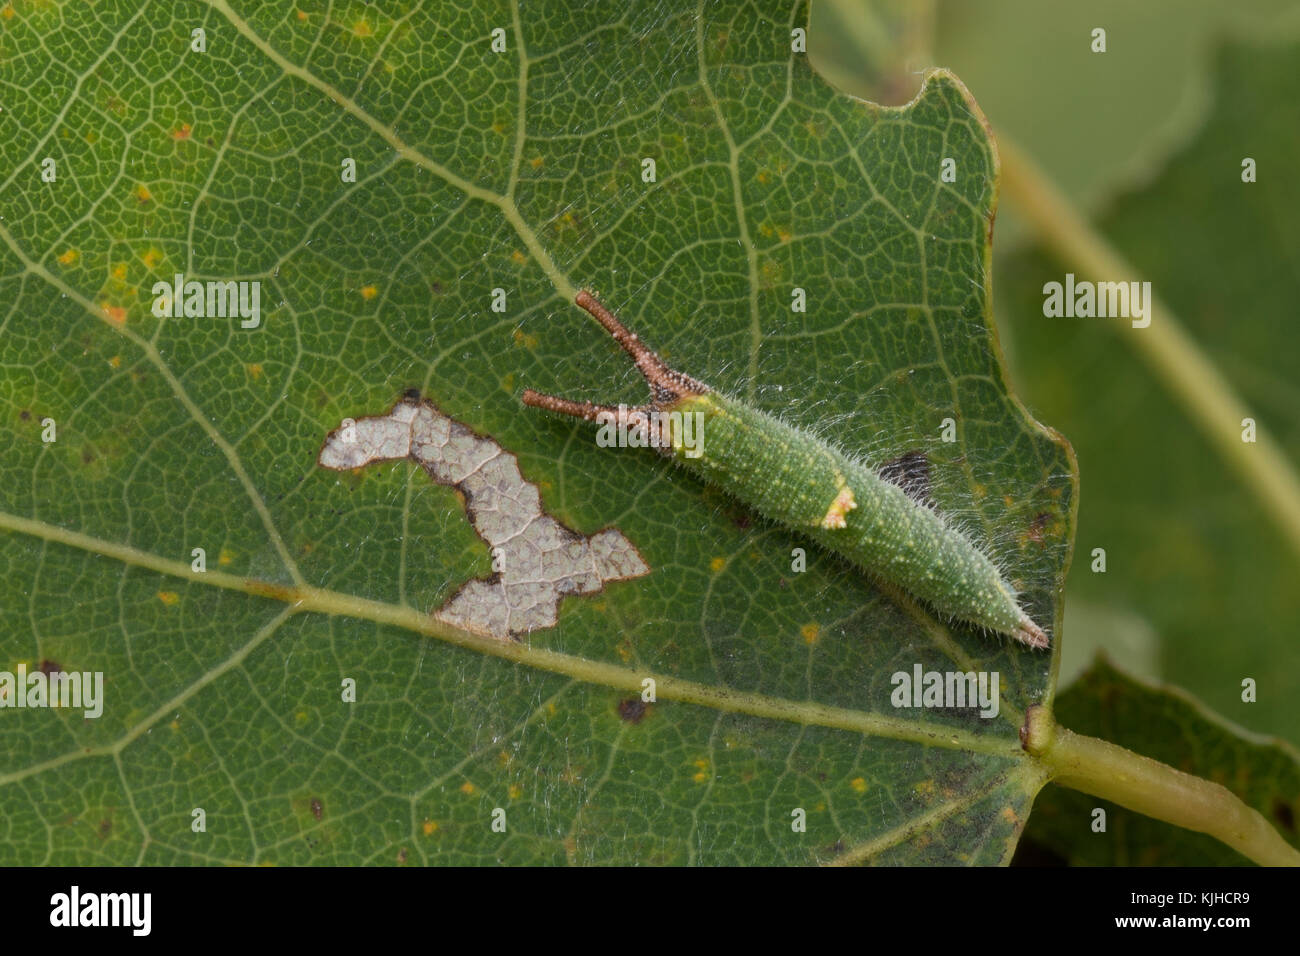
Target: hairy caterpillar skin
789, 475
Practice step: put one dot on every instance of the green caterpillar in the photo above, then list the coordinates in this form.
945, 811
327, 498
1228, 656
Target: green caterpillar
789, 475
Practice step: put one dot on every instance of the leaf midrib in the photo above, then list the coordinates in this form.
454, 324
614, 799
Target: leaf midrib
305, 598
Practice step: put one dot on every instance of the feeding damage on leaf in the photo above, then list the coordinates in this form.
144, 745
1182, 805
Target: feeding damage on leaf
536, 559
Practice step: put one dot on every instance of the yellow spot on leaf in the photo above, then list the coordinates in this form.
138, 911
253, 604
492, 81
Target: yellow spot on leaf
362, 29
115, 362
8, 11
702, 771
169, 598
116, 314
810, 633
515, 791
255, 369
518, 258
181, 132
368, 292
924, 789
225, 557
763, 177
119, 272
1010, 816
151, 258
717, 564
468, 789
69, 257
302, 16
858, 784
429, 828
535, 162
142, 193
527, 341
175, 725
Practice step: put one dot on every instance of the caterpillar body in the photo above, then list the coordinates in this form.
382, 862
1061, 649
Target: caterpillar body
789, 475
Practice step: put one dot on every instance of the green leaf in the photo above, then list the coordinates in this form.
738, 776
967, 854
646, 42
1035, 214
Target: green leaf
1170, 726
477, 170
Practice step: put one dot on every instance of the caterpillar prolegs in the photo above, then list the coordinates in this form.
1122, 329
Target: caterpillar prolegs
790, 476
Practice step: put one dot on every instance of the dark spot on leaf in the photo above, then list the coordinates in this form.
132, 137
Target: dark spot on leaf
411, 395
316, 809
741, 520
48, 667
24, 415
105, 828
911, 472
1284, 815
401, 855
835, 849
1037, 525
87, 457
633, 710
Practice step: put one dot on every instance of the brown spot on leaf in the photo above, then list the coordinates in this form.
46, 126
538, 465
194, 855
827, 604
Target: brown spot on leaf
48, 667
24, 414
633, 710
105, 828
1037, 526
316, 809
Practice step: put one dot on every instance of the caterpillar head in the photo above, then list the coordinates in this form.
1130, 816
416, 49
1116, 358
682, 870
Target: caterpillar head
667, 385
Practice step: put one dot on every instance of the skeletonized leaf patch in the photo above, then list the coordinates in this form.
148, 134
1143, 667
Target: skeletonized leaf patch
536, 559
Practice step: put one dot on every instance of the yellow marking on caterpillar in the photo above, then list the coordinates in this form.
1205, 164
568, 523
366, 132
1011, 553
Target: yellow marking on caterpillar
841, 506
